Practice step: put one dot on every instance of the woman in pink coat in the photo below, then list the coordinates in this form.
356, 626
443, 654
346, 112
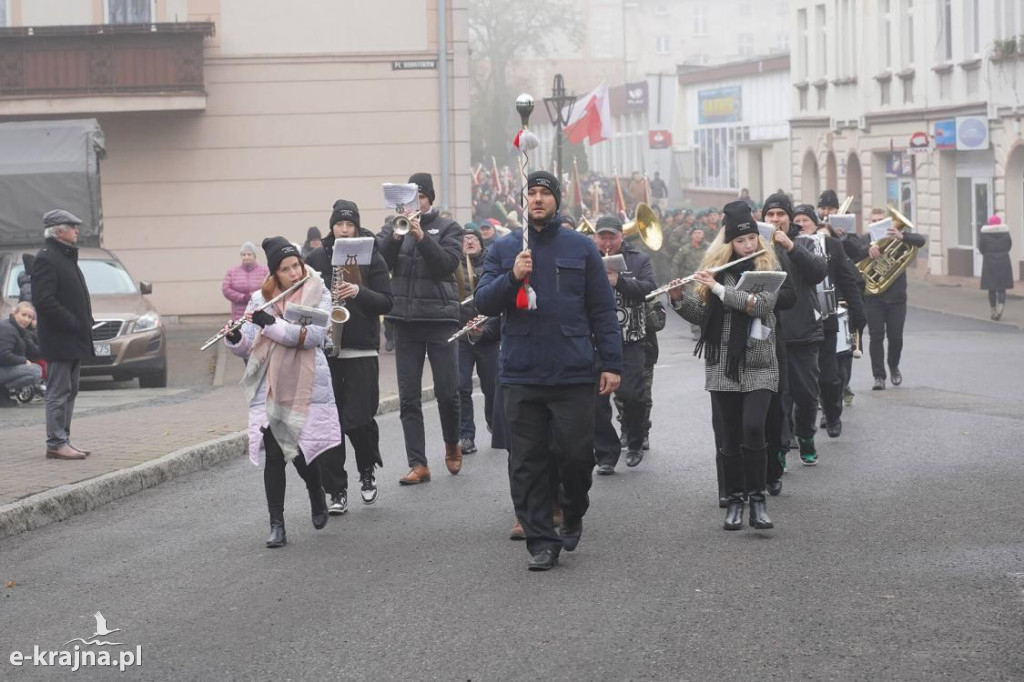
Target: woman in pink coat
241, 280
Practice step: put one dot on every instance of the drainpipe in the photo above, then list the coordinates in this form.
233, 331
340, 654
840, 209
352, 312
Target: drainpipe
442, 71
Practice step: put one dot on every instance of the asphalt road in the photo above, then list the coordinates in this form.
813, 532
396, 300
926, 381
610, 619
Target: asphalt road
899, 557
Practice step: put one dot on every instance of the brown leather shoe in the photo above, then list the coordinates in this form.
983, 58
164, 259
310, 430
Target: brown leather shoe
77, 449
418, 474
453, 457
517, 532
64, 452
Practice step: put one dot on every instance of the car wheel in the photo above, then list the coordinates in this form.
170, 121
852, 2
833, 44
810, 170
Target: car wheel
157, 379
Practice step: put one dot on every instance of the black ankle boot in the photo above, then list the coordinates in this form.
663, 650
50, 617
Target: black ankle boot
277, 537
734, 513
758, 512
318, 505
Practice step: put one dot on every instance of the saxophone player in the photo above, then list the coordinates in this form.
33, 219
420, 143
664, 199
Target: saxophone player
365, 290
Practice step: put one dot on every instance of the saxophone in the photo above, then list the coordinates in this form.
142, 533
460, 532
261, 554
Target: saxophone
339, 313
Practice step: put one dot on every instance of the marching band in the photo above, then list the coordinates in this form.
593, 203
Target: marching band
557, 321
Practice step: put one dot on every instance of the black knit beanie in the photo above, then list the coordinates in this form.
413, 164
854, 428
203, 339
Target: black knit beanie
277, 249
807, 210
345, 210
828, 199
547, 181
778, 200
738, 220
425, 183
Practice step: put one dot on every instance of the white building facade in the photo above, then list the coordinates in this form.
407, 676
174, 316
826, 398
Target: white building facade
926, 119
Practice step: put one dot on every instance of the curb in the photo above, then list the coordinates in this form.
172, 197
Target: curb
976, 318
60, 504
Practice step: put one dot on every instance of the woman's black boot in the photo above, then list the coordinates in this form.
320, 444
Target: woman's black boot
277, 537
755, 463
734, 513
318, 505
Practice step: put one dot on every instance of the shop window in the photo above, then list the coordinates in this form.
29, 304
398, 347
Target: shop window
129, 11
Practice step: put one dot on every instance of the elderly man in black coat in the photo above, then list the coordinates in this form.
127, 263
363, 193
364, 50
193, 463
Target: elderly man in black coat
65, 323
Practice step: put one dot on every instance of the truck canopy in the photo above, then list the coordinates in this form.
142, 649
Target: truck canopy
46, 165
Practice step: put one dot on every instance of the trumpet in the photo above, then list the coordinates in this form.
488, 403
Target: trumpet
470, 326
235, 326
676, 283
403, 222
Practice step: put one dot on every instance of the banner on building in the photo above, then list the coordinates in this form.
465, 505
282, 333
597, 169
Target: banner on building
659, 139
720, 105
945, 134
971, 133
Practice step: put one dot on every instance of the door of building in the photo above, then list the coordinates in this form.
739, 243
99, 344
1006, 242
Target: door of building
974, 206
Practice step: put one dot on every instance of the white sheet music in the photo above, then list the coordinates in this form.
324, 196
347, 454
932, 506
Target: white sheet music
880, 229
845, 223
614, 263
766, 230
352, 251
400, 195
756, 281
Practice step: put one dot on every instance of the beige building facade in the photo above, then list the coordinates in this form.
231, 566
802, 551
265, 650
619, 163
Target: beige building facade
302, 102
917, 104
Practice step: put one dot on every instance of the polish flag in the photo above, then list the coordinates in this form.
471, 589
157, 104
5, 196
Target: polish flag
591, 117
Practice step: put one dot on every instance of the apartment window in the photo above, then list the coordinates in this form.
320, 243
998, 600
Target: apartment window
972, 41
821, 39
972, 79
908, 90
908, 33
715, 156
886, 31
663, 44
803, 99
885, 90
822, 99
1009, 17
782, 41
945, 83
129, 11
804, 56
745, 42
946, 29
700, 20
846, 37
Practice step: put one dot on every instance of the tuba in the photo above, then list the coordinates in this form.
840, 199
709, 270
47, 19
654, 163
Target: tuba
586, 227
896, 255
645, 224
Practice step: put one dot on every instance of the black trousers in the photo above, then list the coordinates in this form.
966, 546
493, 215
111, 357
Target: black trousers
485, 359
551, 430
648, 400
801, 402
631, 390
885, 320
274, 475
415, 341
830, 381
996, 296
357, 394
741, 418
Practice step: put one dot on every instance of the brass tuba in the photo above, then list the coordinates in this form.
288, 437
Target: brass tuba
896, 255
645, 224
586, 227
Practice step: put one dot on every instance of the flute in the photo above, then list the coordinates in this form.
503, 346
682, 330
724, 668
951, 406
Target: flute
674, 284
235, 326
470, 326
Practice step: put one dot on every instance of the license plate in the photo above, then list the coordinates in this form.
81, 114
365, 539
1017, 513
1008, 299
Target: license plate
102, 349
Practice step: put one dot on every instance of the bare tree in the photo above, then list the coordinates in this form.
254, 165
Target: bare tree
500, 32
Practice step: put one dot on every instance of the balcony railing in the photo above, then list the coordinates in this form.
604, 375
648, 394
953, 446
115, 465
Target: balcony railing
102, 60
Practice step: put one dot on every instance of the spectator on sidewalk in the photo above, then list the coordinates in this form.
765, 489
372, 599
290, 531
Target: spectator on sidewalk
25, 279
18, 353
314, 240
65, 327
242, 280
994, 243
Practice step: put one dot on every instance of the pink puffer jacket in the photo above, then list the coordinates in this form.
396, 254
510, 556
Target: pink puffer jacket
240, 283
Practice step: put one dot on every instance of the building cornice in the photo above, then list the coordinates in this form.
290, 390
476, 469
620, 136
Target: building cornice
929, 114
734, 70
810, 122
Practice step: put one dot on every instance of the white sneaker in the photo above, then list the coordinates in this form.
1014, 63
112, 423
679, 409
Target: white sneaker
369, 488
338, 505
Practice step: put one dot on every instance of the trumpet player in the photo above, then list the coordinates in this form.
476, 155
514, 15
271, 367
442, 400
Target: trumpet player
423, 263
365, 291
479, 347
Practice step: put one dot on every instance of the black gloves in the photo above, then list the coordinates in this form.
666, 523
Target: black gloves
262, 318
235, 336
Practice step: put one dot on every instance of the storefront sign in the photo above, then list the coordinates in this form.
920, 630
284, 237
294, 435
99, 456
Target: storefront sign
919, 143
659, 139
414, 65
900, 164
721, 105
636, 96
971, 133
945, 134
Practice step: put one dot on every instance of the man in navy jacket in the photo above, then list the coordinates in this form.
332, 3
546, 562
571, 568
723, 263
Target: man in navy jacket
548, 363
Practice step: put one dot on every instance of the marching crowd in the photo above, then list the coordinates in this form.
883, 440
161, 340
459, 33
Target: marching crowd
557, 324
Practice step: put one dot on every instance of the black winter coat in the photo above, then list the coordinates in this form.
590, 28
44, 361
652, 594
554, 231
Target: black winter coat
840, 274
423, 273
490, 331
16, 344
994, 243
362, 331
61, 299
631, 292
802, 323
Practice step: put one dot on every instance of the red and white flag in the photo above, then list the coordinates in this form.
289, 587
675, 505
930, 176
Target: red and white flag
620, 202
591, 117
476, 173
495, 178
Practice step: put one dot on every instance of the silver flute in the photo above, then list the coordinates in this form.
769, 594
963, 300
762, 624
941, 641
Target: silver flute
676, 283
235, 326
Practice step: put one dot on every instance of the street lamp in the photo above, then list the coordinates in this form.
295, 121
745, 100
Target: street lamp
559, 107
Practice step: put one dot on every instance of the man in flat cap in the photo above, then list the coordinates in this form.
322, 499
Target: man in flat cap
65, 323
